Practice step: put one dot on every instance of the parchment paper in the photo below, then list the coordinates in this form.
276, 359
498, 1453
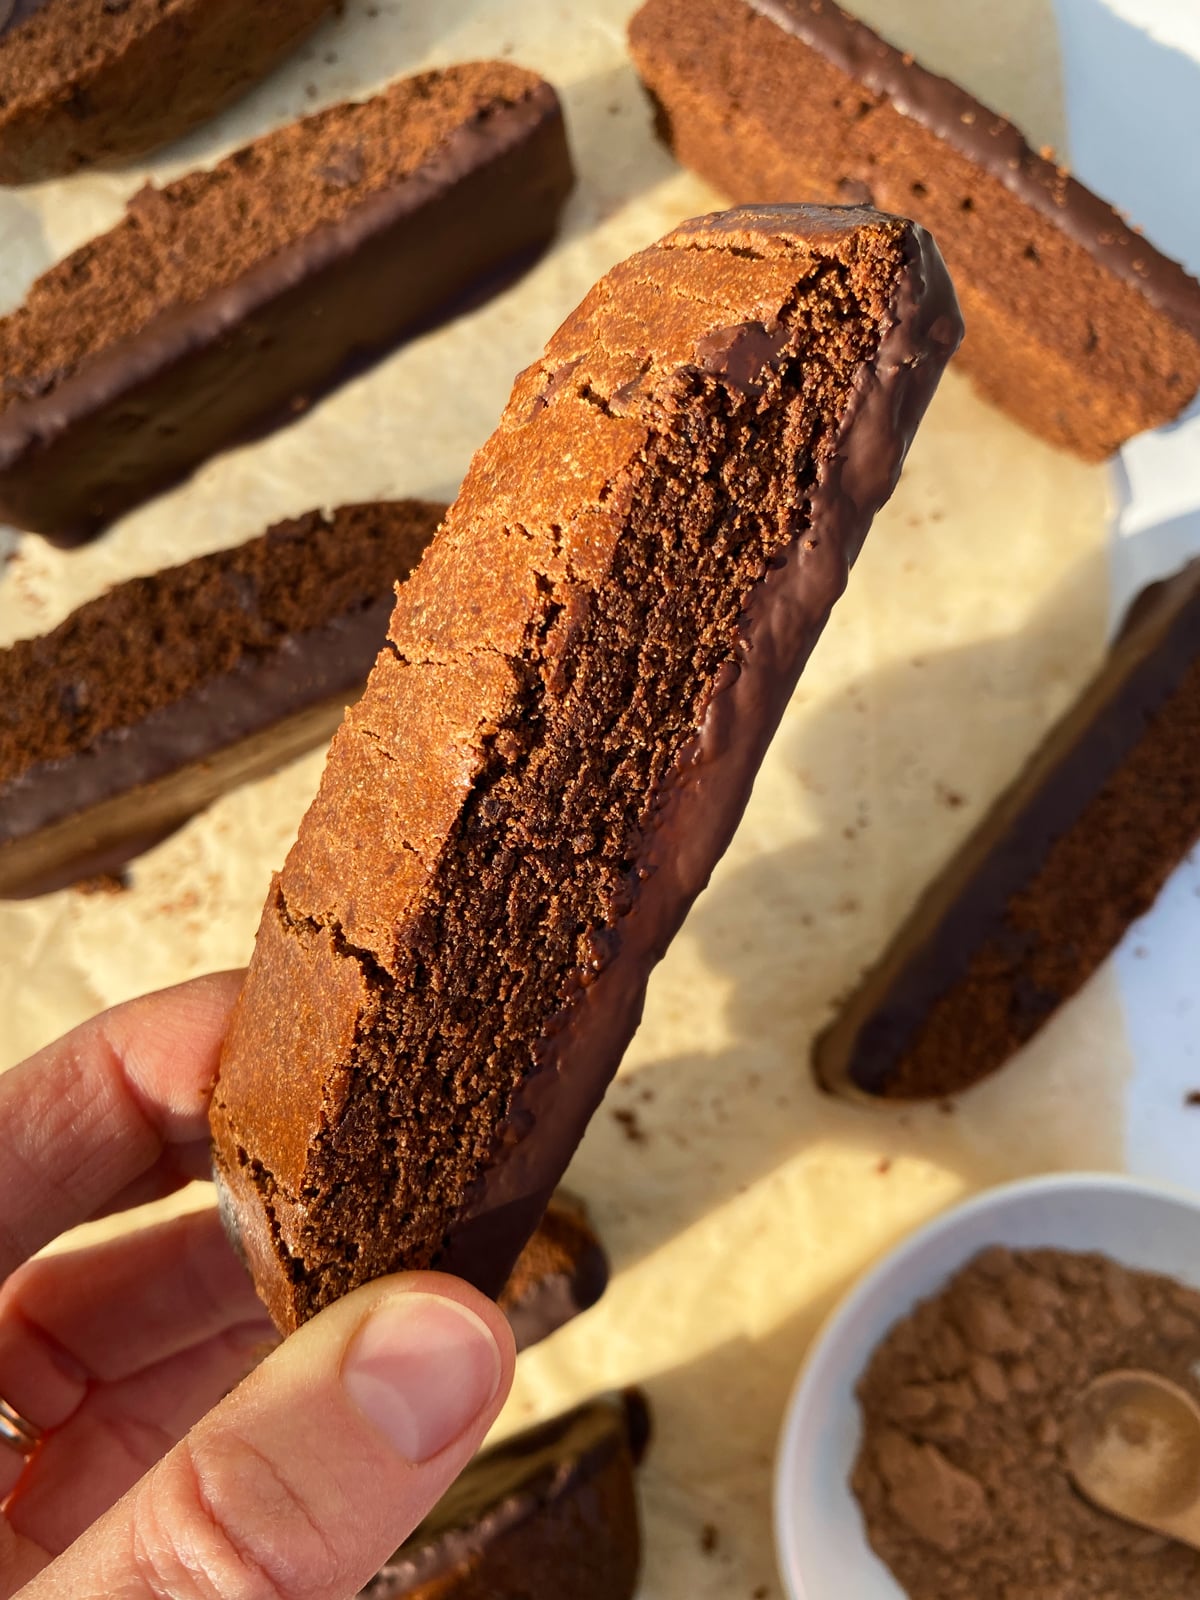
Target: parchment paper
736, 1202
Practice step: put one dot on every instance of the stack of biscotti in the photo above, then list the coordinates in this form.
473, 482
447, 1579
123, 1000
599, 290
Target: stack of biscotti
551, 1512
148, 702
1044, 888
85, 81
228, 300
582, 678
1076, 324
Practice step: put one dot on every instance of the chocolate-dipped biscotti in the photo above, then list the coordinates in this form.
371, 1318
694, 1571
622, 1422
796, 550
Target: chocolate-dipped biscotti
551, 1513
561, 1272
85, 81
147, 703
1076, 325
226, 301
583, 677
1043, 889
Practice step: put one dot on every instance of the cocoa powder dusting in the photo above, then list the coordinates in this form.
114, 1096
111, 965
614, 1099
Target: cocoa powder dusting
960, 1475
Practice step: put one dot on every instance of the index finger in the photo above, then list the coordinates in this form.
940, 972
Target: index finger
87, 1116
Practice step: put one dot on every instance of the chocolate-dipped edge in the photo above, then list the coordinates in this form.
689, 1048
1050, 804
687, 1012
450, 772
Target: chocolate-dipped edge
992, 143
301, 670
704, 795
211, 354
553, 1299
858, 1054
513, 1482
108, 834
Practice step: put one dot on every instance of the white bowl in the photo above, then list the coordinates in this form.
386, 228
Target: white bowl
823, 1551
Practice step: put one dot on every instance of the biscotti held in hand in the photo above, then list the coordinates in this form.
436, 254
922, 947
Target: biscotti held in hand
583, 676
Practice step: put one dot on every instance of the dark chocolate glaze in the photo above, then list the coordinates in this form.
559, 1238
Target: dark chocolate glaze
304, 670
862, 1051
702, 800
511, 1484
144, 412
552, 1299
14, 12
992, 143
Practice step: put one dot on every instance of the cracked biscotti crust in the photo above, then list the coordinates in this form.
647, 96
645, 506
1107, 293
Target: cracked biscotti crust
94, 81
226, 302
1076, 325
581, 680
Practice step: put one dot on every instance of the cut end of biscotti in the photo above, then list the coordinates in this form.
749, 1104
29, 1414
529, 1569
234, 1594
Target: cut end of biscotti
549, 760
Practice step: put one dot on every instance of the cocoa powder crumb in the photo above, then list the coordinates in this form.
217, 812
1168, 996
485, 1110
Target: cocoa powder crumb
102, 883
960, 1473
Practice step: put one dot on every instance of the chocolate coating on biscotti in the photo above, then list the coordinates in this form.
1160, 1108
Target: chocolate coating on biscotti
583, 678
1043, 890
147, 703
562, 1272
1077, 325
224, 303
552, 1511
83, 82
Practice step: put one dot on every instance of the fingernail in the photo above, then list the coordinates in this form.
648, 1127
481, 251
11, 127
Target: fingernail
421, 1369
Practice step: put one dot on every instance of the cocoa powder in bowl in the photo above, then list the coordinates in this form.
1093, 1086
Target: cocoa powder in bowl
960, 1474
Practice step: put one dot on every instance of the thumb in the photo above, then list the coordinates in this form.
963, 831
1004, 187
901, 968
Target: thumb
306, 1478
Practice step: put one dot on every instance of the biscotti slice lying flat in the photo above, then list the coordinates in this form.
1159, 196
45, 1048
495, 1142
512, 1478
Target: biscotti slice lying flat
84, 81
1076, 325
583, 677
551, 1513
227, 300
147, 703
1045, 887
561, 1272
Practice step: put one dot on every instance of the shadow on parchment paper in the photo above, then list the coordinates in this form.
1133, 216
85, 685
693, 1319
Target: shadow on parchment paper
788, 933
716, 1426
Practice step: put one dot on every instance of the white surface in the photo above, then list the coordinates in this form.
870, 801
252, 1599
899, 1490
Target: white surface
823, 1552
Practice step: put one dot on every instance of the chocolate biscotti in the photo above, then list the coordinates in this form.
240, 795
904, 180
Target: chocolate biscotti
86, 81
147, 703
1076, 325
561, 1272
1044, 888
582, 679
226, 301
551, 1512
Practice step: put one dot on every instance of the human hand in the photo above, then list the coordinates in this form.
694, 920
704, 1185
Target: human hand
304, 1479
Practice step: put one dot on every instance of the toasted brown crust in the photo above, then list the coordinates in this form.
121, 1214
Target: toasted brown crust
82, 84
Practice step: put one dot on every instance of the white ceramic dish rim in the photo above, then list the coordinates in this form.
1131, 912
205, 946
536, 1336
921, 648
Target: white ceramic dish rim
856, 1305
